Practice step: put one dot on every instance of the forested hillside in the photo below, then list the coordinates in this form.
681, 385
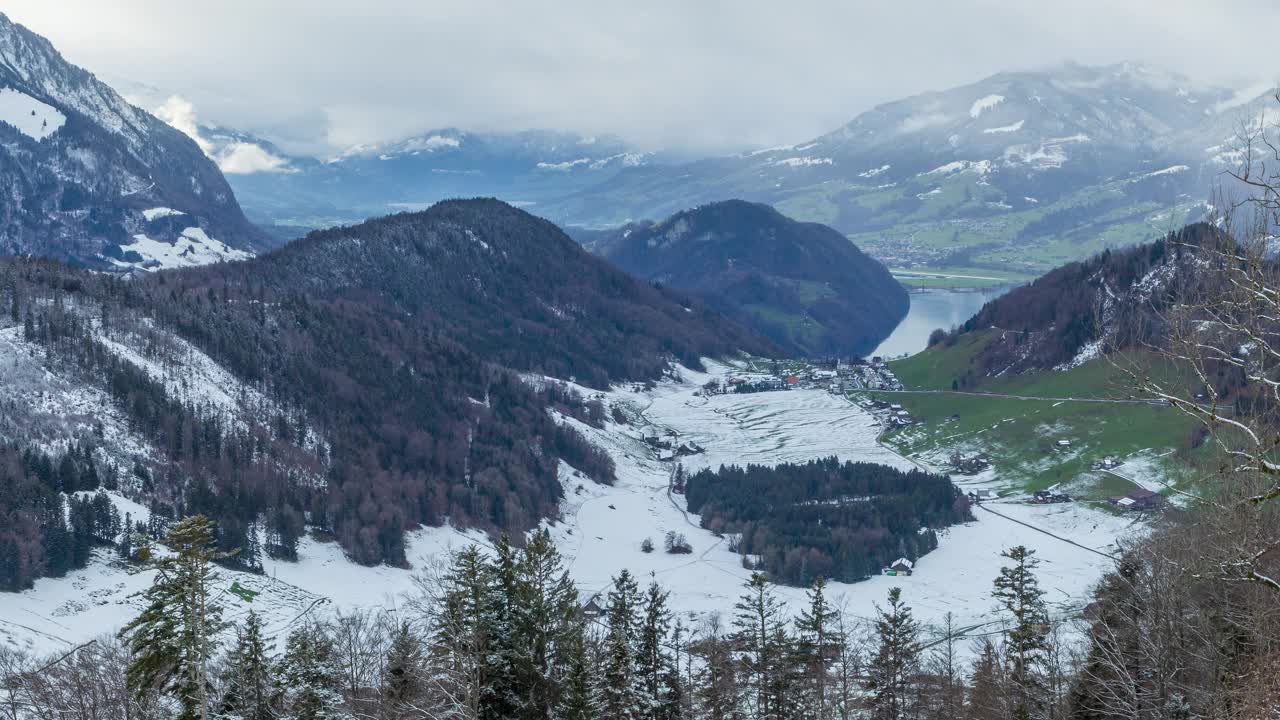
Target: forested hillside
1115, 300
843, 521
803, 285
360, 383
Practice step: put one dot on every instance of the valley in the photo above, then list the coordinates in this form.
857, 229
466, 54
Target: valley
600, 529
523, 365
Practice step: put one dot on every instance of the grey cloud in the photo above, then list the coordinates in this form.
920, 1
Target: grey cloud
323, 74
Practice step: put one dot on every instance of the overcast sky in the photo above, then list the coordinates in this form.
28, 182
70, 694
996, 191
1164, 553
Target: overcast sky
698, 75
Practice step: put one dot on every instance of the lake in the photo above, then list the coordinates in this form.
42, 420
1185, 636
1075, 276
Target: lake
933, 308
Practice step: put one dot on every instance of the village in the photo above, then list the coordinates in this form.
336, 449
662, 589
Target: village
835, 375
857, 379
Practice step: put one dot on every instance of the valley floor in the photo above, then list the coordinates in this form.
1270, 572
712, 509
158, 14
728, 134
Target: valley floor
601, 530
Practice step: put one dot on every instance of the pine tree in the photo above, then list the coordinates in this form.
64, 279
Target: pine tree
171, 641
817, 647
890, 672
986, 689
577, 698
544, 613
1019, 593
619, 699
757, 622
460, 639
500, 695
249, 694
307, 682
716, 683
403, 681
657, 676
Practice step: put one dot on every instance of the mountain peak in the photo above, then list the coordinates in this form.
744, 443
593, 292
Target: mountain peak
98, 181
803, 285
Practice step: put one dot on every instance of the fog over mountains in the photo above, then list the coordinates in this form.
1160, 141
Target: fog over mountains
1064, 161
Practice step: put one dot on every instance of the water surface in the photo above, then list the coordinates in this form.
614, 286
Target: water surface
933, 308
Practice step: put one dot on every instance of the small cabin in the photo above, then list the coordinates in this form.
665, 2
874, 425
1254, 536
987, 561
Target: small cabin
592, 610
901, 566
1140, 499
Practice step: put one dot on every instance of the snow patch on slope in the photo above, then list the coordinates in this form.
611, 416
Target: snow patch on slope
1005, 128
193, 247
805, 161
33, 118
983, 104
160, 212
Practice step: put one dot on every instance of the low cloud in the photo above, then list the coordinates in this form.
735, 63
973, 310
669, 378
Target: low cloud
232, 156
243, 158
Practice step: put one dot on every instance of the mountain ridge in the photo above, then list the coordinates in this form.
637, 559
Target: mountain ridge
803, 285
89, 179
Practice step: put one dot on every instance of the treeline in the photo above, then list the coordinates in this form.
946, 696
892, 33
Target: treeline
388, 353
49, 524
503, 634
824, 518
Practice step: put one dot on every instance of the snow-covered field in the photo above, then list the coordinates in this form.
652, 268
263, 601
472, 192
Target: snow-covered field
601, 530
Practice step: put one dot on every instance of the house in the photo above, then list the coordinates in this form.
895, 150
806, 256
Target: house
982, 495
689, 448
592, 610
666, 454
969, 465
1044, 497
901, 566
792, 380
1107, 463
1063, 444
1140, 499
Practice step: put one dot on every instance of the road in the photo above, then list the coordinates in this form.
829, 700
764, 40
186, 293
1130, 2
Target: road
1158, 403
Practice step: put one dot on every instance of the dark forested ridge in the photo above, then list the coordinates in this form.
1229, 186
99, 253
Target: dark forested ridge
803, 285
510, 287
825, 518
389, 352
1113, 299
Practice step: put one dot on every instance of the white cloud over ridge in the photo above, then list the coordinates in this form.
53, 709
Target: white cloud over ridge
236, 157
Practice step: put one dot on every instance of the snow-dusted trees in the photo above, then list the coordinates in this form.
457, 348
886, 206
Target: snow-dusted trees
507, 639
657, 672
1019, 594
715, 685
173, 639
818, 645
461, 610
308, 679
619, 694
891, 672
404, 675
766, 656
249, 692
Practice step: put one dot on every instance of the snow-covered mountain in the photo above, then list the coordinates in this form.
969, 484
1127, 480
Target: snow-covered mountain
523, 168
92, 179
1020, 171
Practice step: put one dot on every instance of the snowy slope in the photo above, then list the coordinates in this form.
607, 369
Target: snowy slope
35, 119
190, 248
601, 528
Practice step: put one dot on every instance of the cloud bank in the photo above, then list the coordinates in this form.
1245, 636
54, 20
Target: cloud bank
322, 75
